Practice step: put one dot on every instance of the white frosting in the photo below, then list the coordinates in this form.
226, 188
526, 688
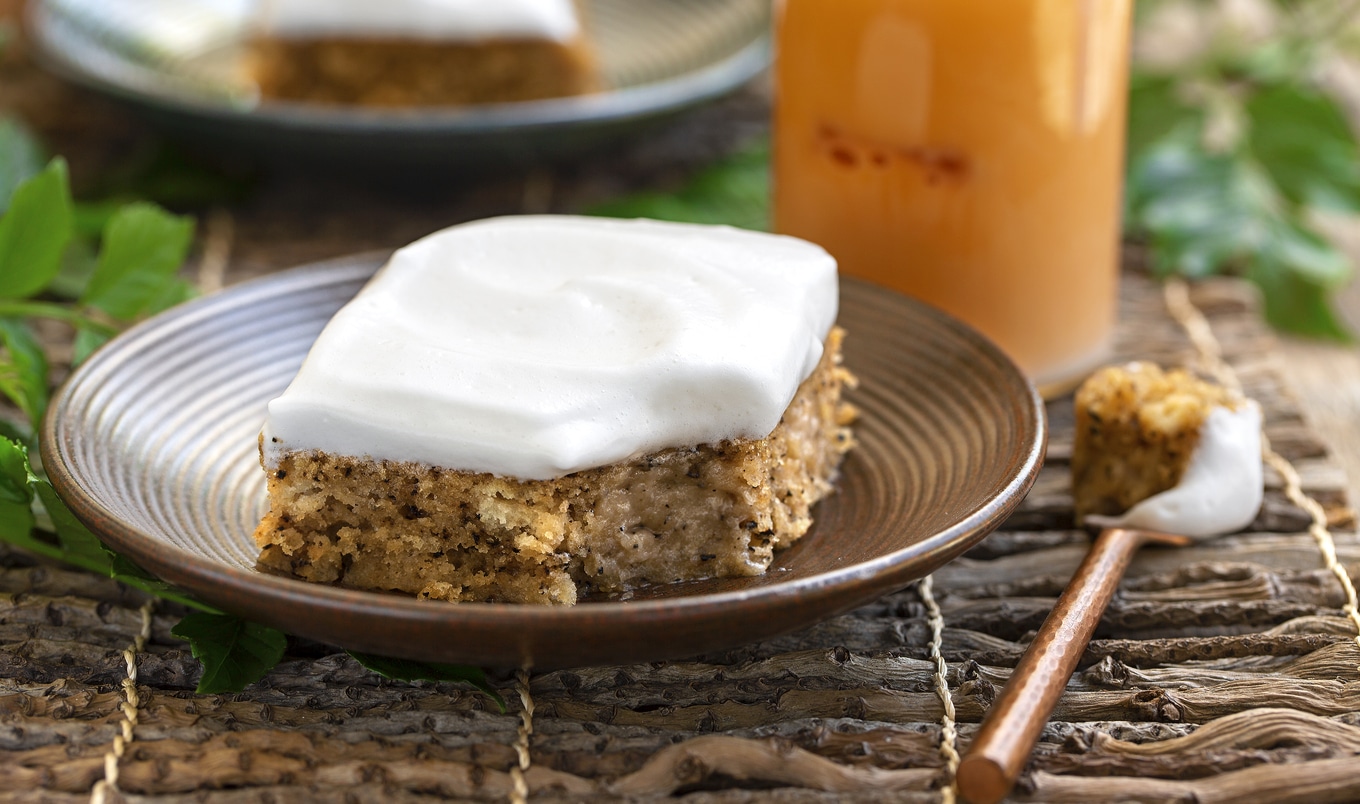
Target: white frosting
1221, 489
457, 20
537, 346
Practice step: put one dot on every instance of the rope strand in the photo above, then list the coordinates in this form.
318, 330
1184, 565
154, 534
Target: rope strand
1210, 353
948, 734
519, 793
131, 701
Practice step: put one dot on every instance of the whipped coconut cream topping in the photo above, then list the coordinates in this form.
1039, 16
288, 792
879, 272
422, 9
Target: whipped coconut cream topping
457, 20
1221, 489
537, 346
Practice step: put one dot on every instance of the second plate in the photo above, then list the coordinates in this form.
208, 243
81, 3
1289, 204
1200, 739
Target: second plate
180, 63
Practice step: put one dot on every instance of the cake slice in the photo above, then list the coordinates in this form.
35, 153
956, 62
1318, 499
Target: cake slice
1165, 450
420, 52
531, 409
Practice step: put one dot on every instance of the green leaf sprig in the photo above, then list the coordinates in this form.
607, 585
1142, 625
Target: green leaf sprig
1229, 156
53, 531
134, 274
235, 653
98, 268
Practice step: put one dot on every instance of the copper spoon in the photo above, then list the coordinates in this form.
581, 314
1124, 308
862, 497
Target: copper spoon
1008, 734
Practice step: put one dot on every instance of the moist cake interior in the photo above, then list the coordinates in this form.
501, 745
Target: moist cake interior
719, 510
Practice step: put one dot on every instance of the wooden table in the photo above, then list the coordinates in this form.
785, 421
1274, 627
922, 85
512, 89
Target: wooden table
1326, 378
1222, 670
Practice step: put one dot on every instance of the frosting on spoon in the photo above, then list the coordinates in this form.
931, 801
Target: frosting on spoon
1221, 489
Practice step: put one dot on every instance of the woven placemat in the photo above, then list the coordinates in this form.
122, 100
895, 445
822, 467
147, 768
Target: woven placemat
1221, 671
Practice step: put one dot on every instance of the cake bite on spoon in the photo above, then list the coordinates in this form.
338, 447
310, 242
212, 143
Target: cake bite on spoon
1165, 451
1159, 457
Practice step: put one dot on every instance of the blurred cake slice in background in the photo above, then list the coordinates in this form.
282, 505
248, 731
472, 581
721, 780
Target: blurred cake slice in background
420, 52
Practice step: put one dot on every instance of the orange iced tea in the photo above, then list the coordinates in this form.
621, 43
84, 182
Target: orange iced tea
967, 152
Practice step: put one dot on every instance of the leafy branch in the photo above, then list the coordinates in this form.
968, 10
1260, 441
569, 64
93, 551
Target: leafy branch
46, 274
51, 269
1233, 148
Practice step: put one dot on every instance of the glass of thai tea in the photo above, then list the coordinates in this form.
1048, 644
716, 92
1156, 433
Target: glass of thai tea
966, 152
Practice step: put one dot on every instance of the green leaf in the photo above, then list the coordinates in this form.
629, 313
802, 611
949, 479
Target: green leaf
1297, 272
91, 217
736, 192
1155, 113
411, 670
1274, 61
1201, 212
34, 232
20, 158
143, 248
72, 542
23, 370
1302, 140
125, 571
1309, 255
1295, 305
16, 511
14, 473
87, 340
126, 568
1218, 213
16, 524
172, 293
77, 266
235, 653
78, 545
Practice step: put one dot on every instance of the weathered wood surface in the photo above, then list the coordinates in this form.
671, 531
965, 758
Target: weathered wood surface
1222, 672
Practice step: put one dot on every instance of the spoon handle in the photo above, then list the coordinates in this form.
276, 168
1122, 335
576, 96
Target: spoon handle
1014, 722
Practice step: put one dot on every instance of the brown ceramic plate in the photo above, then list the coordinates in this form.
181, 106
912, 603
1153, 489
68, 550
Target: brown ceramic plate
152, 443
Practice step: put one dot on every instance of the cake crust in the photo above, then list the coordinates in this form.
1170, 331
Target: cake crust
719, 510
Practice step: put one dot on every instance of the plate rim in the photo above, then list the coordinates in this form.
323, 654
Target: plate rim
651, 99
212, 581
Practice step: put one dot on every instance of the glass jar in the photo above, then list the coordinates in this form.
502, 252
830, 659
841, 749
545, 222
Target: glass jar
966, 152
